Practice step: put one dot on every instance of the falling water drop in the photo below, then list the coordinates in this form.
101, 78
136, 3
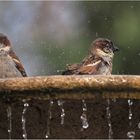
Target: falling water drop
139, 125
83, 117
59, 71
24, 120
108, 114
61, 104
130, 103
49, 118
50, 112
130, 134
96, 34
9, 116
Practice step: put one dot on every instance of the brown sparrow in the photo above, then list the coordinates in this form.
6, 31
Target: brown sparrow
10, 65
99, 60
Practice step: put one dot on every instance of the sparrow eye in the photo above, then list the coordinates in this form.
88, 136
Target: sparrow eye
106, 50
109, 45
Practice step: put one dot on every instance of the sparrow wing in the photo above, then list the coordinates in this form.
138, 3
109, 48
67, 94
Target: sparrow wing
90, 68
88, 60
90, 65
17, 63
71, 69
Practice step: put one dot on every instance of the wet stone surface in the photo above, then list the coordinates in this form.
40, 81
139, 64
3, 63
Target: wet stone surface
37, 113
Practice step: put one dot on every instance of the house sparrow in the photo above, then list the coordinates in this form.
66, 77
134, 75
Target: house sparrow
10, 65
99, 60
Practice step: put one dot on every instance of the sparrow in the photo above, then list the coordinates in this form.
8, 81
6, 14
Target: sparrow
99, 61
10, 65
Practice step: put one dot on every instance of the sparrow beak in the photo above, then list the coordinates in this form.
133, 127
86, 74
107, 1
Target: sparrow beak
115, 49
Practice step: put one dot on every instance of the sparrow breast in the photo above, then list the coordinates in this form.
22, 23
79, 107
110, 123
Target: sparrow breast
7, 66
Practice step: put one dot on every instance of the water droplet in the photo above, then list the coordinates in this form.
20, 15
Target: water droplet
106, 18
50, 112
96, 34
85, 124
83, 117
139, 125
49, 119
130, 103
46, 136
132, 6
9, 116
60, 103
131, 134
59, 71
23, 119
108, 114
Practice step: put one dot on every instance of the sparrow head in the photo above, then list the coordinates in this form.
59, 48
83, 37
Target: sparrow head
103, 48
4, 40
5, 44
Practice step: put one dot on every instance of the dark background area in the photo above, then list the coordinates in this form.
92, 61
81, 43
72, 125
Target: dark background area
48, 35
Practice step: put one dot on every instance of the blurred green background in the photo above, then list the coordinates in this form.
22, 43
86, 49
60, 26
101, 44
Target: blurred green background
47, 35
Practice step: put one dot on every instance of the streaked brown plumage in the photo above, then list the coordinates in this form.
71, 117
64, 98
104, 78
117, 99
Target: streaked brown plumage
99, 60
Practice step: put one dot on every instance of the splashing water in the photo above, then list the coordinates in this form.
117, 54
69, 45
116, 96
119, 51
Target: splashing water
24, 120
83, 117
49, 118
9, 116
130, 103
59, 71
108, 114
139, 125
130, 134
61, 104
